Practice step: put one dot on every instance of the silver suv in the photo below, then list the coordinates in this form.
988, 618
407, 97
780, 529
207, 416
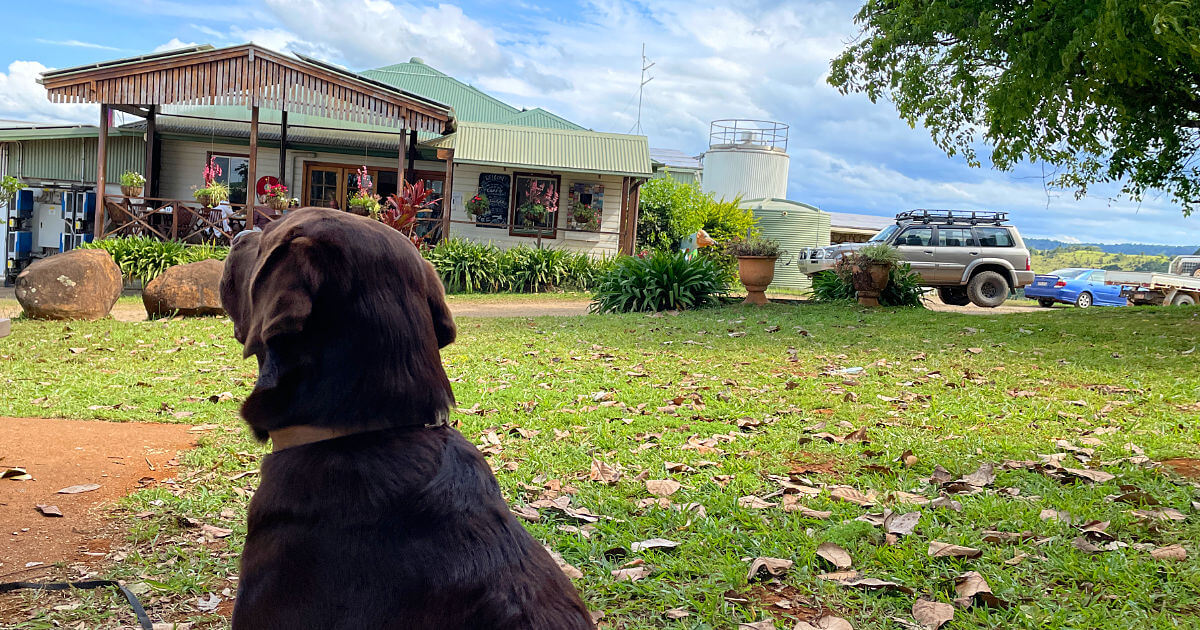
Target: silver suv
969, 256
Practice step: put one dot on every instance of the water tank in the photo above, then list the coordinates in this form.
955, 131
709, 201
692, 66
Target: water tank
746, 158
796, 226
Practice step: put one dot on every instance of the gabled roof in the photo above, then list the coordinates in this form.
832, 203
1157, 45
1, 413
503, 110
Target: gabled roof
470, 104
547, 149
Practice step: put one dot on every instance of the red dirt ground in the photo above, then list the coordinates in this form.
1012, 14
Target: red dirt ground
61, 453
1184, 467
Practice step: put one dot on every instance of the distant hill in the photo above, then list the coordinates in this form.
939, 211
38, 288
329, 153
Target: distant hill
1118, 248
1090, 257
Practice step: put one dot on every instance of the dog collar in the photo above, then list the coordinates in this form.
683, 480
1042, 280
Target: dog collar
301, 434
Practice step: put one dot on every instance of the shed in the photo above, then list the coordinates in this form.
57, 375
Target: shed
855, 228
796, 226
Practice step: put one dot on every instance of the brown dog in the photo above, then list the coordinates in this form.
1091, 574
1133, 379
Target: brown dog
372, 512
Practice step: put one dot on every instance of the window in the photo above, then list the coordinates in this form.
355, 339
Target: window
955, 237
535, 205
994, 237
1097, 276
234, 169
916, 237
883, 235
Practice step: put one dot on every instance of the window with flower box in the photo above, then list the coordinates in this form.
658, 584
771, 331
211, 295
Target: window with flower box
535, 207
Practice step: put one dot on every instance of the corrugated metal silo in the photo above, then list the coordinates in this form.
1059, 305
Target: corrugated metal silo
796, 226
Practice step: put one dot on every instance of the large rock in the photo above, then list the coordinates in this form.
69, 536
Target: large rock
79, 284
188, 290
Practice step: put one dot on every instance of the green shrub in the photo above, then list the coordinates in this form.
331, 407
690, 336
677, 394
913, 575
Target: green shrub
878, 254
753, 246
661, 281
144, 258
471, 267
669, 211
903, 289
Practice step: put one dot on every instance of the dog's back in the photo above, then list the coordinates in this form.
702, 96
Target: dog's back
371, 514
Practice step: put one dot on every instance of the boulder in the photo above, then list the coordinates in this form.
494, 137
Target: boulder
79, 284
189, 290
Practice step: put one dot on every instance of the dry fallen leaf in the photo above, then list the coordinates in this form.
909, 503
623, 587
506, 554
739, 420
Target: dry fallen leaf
16, 474
828, 622
971, 588
49, 510
901, 524
834, 554
931, 614
603, 472
874, 584
662, 487
850, 495
1165, 514
1171, 552
765, 624
755, 503
768, 567
677, 613
1096, 476
84, 487
653, 543
939, 549
631, 574
983, 476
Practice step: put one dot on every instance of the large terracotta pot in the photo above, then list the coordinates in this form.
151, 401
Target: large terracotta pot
756, 274
869, 281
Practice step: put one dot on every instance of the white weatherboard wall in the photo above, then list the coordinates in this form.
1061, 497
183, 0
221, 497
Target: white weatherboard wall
749, 171
182, 167
466, 184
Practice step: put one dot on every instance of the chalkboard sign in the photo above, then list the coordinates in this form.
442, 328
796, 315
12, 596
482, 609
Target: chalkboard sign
496, 187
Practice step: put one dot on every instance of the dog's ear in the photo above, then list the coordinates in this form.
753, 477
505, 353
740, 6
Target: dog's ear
282, 288
443, 320
235, 280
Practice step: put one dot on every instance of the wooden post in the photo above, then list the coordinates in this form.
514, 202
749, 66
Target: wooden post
283, 148
634, 203
151, 140
622, 238
251, 167
101, 162
448, 194
401, 174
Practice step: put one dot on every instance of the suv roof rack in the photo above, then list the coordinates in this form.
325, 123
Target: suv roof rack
973, 217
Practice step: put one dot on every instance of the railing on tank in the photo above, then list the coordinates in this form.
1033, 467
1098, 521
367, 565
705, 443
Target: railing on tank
759, 133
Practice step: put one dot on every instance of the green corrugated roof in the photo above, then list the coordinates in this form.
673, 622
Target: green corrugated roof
554, 149
51, 132
470, 104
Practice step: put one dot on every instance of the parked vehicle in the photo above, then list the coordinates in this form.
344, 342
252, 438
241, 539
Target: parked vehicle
1082, 287
1179, 286
970, 257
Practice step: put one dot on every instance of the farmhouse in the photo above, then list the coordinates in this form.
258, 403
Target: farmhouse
265, 118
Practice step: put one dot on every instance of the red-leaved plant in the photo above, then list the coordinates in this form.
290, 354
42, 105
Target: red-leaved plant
400, 211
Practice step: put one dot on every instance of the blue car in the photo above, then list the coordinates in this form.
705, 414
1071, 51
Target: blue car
1081, 287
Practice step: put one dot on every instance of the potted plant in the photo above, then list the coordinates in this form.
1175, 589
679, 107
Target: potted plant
132, 184
586, 217
213, 192
540, 200
364, 202
277, 197
400, 211
477, 206
870, 271
756, 265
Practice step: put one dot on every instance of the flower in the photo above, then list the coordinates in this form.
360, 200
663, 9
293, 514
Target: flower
211, 172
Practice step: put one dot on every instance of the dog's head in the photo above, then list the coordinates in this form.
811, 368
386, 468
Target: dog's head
346, 318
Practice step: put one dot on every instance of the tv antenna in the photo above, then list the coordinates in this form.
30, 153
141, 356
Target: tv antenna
641, 86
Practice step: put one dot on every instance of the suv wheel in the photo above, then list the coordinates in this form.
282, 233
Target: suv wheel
987, 289
954, 296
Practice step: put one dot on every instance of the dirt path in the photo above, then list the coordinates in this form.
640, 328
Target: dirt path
120, 457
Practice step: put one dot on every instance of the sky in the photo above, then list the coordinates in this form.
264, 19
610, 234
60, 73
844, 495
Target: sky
759, 59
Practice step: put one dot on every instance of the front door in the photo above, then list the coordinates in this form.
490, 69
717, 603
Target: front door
916, 247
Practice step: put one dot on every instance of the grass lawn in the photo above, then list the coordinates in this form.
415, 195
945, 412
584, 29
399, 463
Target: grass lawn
748, 411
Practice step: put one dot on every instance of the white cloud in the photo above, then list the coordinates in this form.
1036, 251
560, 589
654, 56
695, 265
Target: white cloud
23, 98
75, 43
174, 44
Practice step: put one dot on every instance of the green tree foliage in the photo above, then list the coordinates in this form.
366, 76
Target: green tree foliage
1045, 261
670, 211
1106, 90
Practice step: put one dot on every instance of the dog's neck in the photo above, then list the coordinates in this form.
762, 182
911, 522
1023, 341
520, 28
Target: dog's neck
301, 434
